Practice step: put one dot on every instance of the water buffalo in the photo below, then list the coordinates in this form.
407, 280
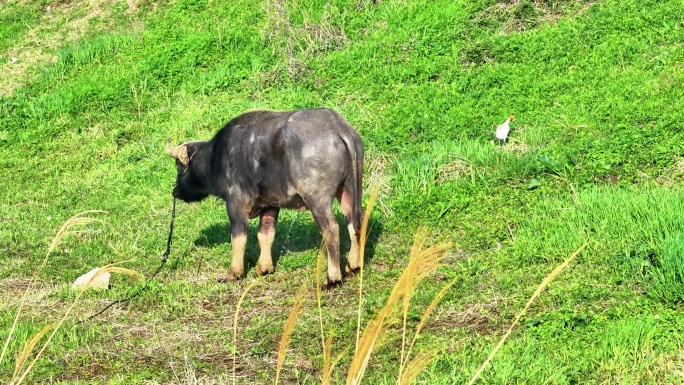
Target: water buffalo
262, 161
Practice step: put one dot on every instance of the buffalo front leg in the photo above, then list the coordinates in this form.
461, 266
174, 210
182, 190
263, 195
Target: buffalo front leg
266, 235
238, 238
237, 265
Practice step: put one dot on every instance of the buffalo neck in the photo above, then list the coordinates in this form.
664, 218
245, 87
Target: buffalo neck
201, 168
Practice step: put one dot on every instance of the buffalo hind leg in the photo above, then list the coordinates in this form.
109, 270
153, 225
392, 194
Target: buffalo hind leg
330, 231
345, 197
266, 235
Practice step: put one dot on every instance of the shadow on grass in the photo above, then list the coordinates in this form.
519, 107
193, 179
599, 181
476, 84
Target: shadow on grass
293, 235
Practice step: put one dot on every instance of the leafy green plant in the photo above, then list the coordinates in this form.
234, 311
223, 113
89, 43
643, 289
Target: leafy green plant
667, 273
628, 342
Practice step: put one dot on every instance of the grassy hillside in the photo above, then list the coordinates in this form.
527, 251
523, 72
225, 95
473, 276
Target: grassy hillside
596, 154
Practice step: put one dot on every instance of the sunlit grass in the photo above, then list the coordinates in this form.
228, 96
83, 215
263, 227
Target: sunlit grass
22, 369
68, 228
594, 153
536, 294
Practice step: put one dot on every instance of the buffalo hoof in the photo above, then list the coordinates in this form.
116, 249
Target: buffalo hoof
329, 284
231, 277
351, 271
264, 270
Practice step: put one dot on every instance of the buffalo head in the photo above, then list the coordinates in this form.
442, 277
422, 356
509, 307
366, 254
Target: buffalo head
189, 180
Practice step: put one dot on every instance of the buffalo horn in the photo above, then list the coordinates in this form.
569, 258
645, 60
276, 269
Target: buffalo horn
179, 152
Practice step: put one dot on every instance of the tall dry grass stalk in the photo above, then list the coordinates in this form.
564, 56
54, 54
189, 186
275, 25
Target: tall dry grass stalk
67, 228
16, 380
28, 348
423, 319
422, 262
417, 364
410, 283
418, 272
328, 363
235, 319
319, 300
362, 258
540, 288
327, 367
287, 330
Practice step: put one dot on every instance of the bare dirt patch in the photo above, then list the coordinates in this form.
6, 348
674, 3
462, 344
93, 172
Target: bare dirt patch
674, 173
453, 170
13, 289
293, 40
521, 15
478, 317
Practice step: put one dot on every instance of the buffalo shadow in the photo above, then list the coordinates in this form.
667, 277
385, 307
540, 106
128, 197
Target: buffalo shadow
293, 234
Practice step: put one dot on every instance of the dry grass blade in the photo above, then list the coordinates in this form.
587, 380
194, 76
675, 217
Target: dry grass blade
106, 269
362, 255
407, 298
541, 287
28, 348
16, 317
327, 368
319, 273
424, 319
417, 364
412, 273
120, 270
421, 263
370, 338
235, 319
335, 362
77, 219
287, 330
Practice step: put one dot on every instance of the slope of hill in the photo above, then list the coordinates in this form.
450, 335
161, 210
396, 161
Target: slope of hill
90, 90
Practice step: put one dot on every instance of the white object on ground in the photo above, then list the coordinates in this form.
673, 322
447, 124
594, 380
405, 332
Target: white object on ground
503, 129
101, 282
14, 60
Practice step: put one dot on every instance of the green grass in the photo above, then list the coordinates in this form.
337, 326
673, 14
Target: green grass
595, 154
15, 20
